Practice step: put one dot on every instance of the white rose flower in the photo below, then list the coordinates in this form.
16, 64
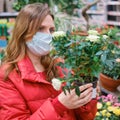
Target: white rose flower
93, 38
113, 51
56, 83
118, 60
58, 34
105, 36
93, 32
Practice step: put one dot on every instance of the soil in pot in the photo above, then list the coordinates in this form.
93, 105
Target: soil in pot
86, 80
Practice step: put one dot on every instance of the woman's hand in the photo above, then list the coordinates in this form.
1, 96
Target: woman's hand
98, 89
72, 101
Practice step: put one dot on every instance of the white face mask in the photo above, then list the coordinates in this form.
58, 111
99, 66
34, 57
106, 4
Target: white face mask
40, 44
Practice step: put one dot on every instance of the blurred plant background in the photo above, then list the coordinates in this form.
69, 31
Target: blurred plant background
67, 6
64, 10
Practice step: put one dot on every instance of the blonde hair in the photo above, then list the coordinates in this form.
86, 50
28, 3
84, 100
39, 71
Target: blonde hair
27, 24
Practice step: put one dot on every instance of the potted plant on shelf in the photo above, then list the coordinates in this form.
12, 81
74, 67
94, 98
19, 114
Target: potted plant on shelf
81, 55
110, 74
112, 31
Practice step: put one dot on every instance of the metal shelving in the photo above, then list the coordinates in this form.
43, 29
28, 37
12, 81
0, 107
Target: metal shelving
113, 13
110, 16
8, 15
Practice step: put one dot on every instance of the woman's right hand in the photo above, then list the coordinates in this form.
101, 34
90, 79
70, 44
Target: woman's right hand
72, 101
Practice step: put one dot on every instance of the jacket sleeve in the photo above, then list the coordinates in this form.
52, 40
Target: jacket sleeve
87, 111
13, 106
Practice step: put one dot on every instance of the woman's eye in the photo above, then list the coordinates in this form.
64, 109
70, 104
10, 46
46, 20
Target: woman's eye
52, 30
41, 29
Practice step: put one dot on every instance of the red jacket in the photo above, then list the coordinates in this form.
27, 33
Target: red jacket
28, 96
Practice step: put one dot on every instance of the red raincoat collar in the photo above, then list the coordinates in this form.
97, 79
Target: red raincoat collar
28, 72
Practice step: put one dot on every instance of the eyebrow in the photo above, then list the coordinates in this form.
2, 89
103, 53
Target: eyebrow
46, 26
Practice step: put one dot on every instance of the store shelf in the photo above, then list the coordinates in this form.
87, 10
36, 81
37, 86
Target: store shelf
112, 13
8, 15
104, 91
110, 16
113, 23
95, 12
113, 3
107, 12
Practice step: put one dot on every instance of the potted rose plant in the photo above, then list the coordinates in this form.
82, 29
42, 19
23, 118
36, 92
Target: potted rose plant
110, 73
110, 59
81, 55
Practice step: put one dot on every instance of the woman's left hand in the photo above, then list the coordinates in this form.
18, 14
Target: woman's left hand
98, 90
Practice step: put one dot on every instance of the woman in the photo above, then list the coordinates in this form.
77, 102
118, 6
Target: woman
26, 92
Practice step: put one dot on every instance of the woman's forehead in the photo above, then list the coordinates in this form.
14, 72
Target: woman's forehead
48, 21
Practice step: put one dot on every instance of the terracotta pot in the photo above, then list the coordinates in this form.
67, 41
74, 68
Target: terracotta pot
109, 83
81, 33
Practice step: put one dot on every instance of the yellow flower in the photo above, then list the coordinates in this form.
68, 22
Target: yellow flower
105, 119
104, 112
111, 108
97, 114
99, 105
116, 111
108, 103
107, 110
108, 114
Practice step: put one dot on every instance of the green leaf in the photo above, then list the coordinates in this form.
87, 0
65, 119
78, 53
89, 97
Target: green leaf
103, 57
109, 63
77, 90
99, 53
67, 88
95, 59
64, 90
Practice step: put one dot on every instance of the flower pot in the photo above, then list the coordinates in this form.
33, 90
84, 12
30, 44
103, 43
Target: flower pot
81, 33
109, 83
94, 93
86, 81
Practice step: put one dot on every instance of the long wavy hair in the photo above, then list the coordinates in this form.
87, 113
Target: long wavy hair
26, 25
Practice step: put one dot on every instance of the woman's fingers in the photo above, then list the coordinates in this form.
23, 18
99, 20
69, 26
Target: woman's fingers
84, 100
86, 92
84, 87
72, 101
98, 90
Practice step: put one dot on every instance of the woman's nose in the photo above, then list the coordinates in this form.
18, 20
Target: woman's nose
48, 31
